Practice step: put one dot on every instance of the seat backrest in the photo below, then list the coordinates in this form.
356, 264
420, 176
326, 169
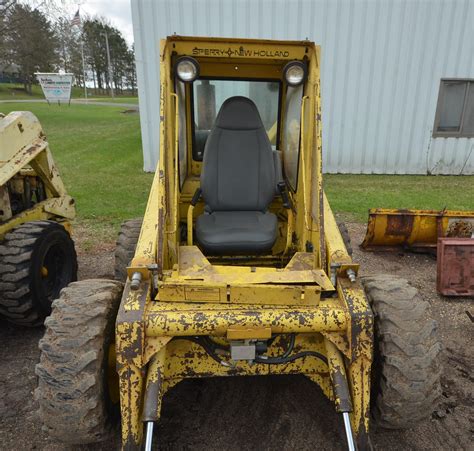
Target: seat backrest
238, 170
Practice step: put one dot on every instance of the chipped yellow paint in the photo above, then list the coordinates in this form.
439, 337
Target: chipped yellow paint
186, 294
18, 130
41, 211
131, 388
130, 349
153, 345
21, 159
360, 331
245, 332
169, 319
187, 359
335, 247
133, 301
359, 383
360, 338
24, 153
275, 294
196, 279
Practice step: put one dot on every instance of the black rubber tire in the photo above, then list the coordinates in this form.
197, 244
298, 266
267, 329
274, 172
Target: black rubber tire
345, 236
406, 368
25, 293
126, 244
73, 392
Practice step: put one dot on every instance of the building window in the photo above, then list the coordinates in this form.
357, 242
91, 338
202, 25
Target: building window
455, 111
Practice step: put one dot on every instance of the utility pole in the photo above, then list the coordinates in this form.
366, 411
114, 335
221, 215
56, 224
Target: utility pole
109, 65
76, 21
84, 69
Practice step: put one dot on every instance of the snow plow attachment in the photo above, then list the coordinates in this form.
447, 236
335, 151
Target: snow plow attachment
417, 230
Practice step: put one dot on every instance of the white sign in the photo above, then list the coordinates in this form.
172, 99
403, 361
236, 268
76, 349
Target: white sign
56, 87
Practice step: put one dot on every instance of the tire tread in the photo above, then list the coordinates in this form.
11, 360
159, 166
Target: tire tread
16, 301
71, 391
125, 247
406, 353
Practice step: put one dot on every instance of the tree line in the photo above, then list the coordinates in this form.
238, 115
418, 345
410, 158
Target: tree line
36, 41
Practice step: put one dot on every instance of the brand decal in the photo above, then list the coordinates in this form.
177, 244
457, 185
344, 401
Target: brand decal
240, 52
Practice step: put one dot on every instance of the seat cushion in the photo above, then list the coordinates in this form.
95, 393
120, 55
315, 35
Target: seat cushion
236, 232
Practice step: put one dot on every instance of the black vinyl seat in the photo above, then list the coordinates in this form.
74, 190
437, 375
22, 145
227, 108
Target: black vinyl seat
238, 183
237, 231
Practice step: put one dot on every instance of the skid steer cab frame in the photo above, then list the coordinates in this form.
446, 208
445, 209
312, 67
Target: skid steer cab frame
31, 188
229, 300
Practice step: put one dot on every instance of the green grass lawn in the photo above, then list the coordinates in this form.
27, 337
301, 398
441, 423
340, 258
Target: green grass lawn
13, 91
123, 99
98, 151
353, 195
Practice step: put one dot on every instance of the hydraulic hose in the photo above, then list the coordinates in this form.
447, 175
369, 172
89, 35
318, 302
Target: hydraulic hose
206, 346
281, 360
289, 349
210, 347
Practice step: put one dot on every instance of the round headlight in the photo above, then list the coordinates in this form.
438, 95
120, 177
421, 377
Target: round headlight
187, 69
294, 73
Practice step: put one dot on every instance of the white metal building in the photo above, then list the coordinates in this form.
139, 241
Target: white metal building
397, 75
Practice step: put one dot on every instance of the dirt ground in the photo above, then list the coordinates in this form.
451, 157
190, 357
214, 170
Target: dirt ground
285, 413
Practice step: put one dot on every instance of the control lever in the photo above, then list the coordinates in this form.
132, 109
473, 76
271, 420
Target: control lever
284, 195
196, 197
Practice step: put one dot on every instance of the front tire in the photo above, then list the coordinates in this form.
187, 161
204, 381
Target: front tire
126, 244
38, 260
406, 367
76, 390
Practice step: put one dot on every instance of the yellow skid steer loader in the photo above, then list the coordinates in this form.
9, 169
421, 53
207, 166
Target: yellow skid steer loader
37, 255
240, 268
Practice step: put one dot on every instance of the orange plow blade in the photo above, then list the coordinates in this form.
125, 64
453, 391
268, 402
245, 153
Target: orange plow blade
417, 230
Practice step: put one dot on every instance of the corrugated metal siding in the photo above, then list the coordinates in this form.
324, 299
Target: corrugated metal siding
381, 69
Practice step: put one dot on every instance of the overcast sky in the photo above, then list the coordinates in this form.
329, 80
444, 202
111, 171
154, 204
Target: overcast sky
118, 12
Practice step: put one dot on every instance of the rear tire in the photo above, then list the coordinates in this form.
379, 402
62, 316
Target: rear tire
75, 401
126, 245
406, 367
345, 236
38, 260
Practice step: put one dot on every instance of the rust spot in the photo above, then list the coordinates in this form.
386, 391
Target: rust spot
32, 148
399, 225
460, 229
